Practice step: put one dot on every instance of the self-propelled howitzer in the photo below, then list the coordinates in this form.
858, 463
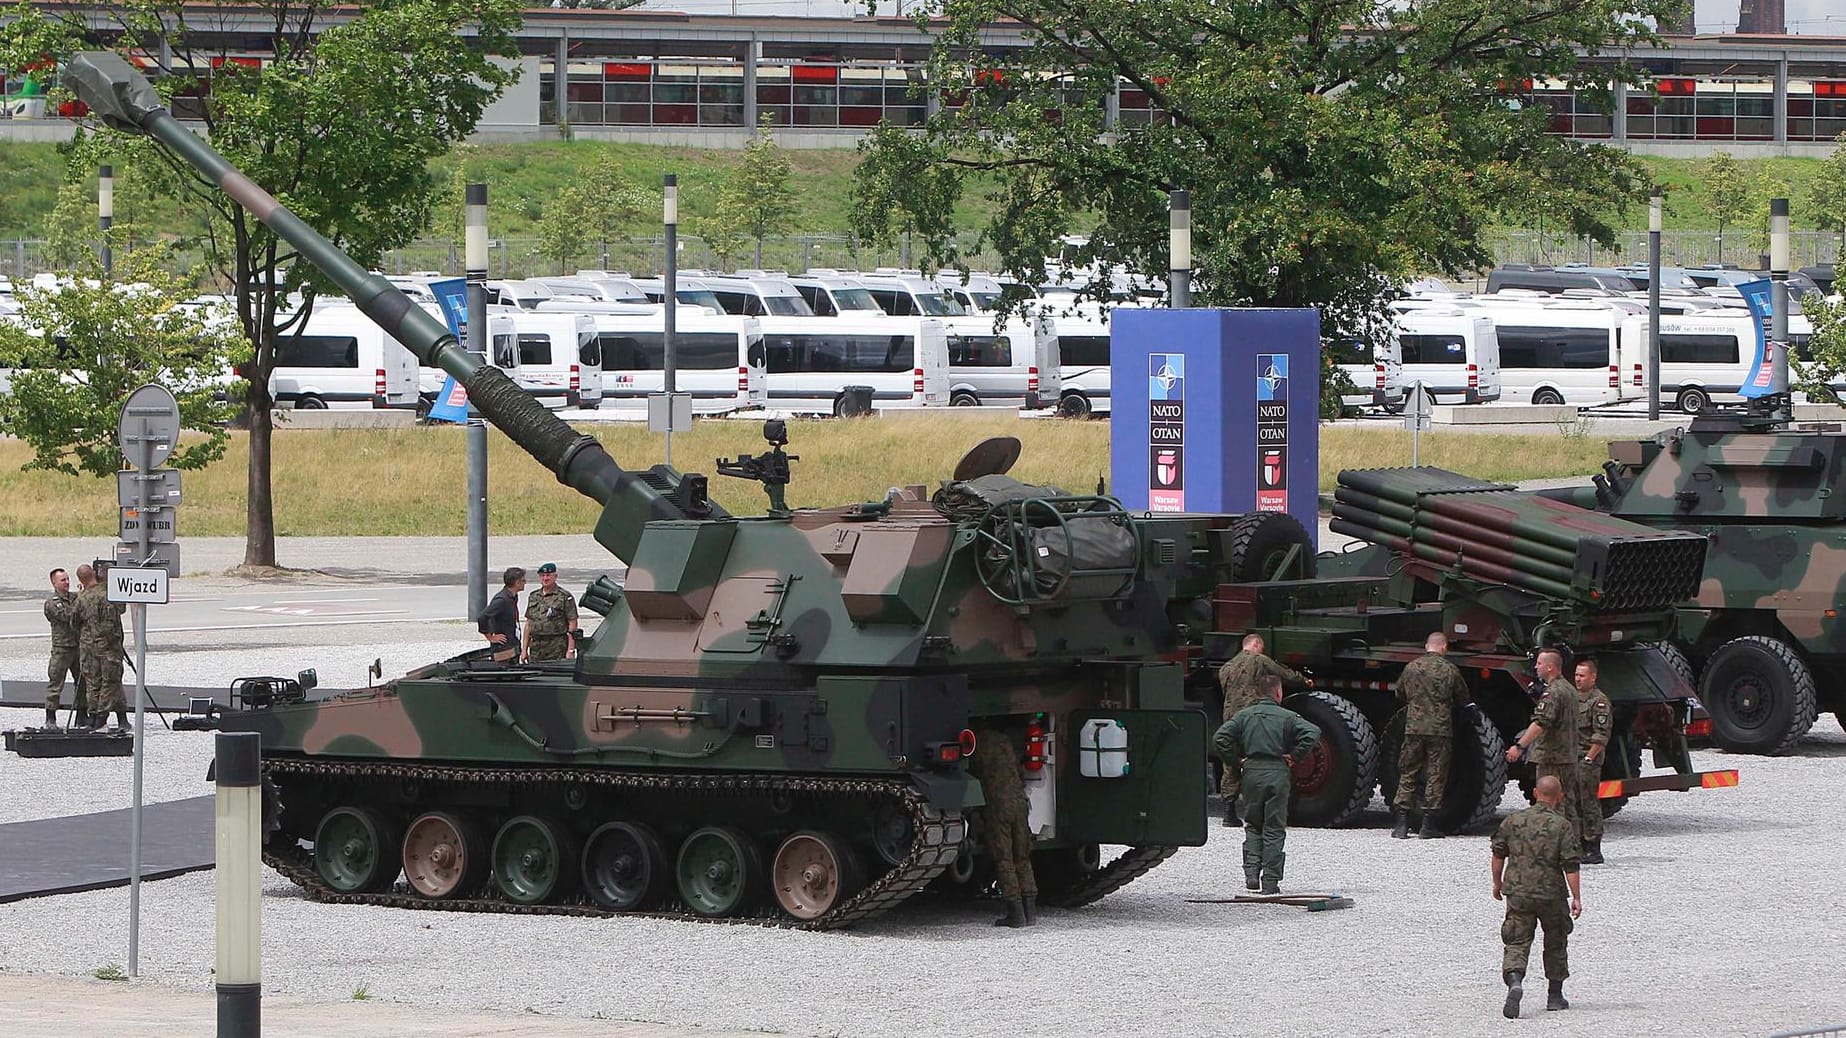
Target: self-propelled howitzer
772, 720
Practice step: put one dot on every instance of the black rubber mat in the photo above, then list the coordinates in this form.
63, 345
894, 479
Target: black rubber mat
89, 852
165, 698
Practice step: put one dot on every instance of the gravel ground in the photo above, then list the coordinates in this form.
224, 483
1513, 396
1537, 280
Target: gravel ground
1718, 916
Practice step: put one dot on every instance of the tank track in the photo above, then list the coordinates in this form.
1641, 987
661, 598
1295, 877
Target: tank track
1131, 865
937, 837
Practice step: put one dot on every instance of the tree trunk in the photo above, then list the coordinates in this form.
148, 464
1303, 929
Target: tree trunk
759, 253
260, 512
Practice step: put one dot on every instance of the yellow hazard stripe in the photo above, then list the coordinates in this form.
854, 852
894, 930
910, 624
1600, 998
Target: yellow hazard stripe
1718, 779
1609, 789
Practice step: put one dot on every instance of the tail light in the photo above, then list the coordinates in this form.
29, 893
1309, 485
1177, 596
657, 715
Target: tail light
1378, 379
1637, 374
576, 382
1474, 376
743, 379
918, 384
1035, 747
1615, 377
1699, 729
378, 382
967, 742
1032, 379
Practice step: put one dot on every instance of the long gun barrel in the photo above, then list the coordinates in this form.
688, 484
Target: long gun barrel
1497, 534
126, 101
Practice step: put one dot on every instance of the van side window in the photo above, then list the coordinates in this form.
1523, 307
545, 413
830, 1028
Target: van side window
534, 349
735, 302
843, 353
1698, 349
980, 351
817, 300
317, 351
504, 355
647, 351
1433, 349
1084, 350
1352, 351
1553, 347
589, 352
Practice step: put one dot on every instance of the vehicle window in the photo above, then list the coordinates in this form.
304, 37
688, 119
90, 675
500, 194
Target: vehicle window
534, 348
937, 305
1433, 349
1351, 351
855, 299
980, 351
986, 300
699, 297
1698, 349
317, 351
843, 353
647, 351
817, 300
787, 306
1799, 343
893, 302
1553, 347
504, 352
735, 302
1084, 350
589, 354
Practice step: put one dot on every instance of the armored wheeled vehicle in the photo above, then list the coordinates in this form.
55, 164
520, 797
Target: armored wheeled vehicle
1763, 630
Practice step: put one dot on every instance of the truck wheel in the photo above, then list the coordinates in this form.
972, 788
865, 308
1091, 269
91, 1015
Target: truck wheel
1074, 405
1547, 398
1477, 771
963, 398
1760, 696
1678, 661
310, 403
1693, 400
1260, 541
1333, 784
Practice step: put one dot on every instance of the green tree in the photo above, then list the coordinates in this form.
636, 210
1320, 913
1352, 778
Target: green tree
1827, 192
756, 198
1332, 147
1729, 193
563, 228
1822, 372
340, 126
85, 345
612, 202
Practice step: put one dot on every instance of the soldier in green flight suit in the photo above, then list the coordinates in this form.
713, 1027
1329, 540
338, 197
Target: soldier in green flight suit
1264, 738
1238, 678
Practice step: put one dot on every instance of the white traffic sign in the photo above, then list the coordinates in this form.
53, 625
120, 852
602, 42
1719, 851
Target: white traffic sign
146, 586
161, 486
157, 521
149, 426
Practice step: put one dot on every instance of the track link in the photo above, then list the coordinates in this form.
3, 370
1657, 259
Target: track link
937, 837
1131, 865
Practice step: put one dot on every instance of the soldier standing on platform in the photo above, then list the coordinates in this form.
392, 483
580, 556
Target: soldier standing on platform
100, 641
551, 619
1005, 830
1594, 723
65, 660
1238, 678
1551, 738
1432, 689
1265, 738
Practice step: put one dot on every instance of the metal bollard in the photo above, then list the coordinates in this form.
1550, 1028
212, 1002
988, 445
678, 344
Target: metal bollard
240, 889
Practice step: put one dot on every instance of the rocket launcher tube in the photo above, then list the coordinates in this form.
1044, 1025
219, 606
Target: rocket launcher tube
125, 100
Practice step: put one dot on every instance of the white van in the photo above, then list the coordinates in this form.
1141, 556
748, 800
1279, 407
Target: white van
836, 295
602, 289
1013, 366
689, 290
1455, 353
342, 359
1557, 350
1703, 356
1376, 371
557, 356
718, 359
756, 296
523, 294
812, 360
910, 294
1082, 333
502, 353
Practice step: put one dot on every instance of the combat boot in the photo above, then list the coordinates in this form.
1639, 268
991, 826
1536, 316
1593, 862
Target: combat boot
1231, 821
1400, 829
1031, 909
1430, 830
51, 717
1515, 988
121, 718
1592, 852
1252, 879
1271, 886
1015, 913
1555, 998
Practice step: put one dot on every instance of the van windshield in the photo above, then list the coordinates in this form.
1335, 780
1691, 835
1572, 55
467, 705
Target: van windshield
936, 304
698, 297
855, 299
787, 306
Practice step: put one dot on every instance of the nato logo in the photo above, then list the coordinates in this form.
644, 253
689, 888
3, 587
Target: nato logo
1166, 376
1271, 376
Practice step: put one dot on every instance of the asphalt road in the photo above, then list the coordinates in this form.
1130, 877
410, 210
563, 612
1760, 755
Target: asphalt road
196, 608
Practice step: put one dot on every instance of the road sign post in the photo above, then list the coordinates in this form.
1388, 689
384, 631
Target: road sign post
148, 429
1418, 406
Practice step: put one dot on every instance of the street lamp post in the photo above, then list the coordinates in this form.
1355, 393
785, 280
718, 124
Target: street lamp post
1179, 247
1654, 223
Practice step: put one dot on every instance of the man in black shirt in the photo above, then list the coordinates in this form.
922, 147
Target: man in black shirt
499, 624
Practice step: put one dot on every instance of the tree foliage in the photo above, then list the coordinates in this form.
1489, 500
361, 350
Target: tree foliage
340, 127
756, 200
1729, 192
1827, 192
86, 344
563, 230
1825, 367
1331, 146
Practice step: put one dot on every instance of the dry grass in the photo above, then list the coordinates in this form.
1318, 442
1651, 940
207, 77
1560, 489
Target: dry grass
409, 481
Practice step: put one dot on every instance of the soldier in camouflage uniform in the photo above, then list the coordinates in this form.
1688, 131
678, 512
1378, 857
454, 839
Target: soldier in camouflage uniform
551, 619
1432, 690
1238, 678
64, 657
1594, 722
1004, 829
100, 640
1552, 736
1265, 738
1535, 871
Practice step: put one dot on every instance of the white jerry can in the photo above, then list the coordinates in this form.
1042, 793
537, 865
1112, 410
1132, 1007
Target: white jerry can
1102, 749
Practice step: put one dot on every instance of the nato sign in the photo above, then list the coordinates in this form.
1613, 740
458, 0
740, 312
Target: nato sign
1216, 411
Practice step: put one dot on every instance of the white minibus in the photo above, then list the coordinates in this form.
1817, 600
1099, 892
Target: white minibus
1558, 350
1454, 352
811, 361
1015, 365
718, 359
342, 359
558, 358
1082, 333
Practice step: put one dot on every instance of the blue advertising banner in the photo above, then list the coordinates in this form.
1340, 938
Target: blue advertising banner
452, 401
1762, 374
1207, 415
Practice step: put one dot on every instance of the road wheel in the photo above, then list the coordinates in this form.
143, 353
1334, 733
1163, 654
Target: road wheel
444, 856
625, 867
1693, 400
814, 873
1477, 771
1760, 696
534, 860
1260, 545
1334, 782
355, 851
1074, 405
963, 398
720, 871
1547, 398
310, 403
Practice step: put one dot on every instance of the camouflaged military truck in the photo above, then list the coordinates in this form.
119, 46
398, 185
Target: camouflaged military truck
1763, 632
